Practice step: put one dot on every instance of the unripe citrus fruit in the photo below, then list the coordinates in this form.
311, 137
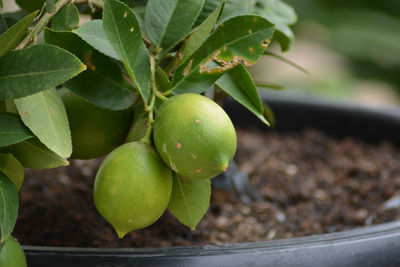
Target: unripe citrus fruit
132, 187
94, 131
194, 136
12, 254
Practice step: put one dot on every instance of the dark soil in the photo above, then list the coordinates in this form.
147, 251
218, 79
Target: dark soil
311, 184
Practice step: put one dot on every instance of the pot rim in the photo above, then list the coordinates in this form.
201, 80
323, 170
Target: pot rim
357, 234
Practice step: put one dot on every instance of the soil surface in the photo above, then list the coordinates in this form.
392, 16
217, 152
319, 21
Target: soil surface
309, 183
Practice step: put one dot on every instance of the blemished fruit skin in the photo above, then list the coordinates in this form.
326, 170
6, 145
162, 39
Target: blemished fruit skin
132, 187
12, 254
194, 136
94, 131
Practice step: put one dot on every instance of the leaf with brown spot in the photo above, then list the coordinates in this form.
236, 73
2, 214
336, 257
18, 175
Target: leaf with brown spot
118, 19
199, 35
228, 46
45, 116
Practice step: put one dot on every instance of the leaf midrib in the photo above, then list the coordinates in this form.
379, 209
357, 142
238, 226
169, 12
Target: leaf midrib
34, 73
125, 60
184, 201
166, 27
52, 123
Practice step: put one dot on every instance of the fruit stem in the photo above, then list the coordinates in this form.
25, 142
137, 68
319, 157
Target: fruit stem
41, 24
147, 137
149, 108
166, 93
160, 96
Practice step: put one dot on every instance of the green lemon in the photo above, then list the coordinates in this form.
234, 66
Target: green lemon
132, 187
94, 131
194, 136
12, 254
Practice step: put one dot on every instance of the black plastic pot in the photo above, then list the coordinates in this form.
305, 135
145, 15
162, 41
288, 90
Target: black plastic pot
368, 246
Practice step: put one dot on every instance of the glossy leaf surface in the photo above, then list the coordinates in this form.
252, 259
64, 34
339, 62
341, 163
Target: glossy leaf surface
168, 21
102, 83
10, 39
93, 33
12, 130
45, 116
240, 86
31, 70
124, 34
8, 206
11, 167
189, 200
66, 19
33, 154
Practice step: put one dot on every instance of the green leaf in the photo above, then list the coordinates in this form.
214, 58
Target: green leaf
237, 8
139, 125
93, 33
45, 116
12, 130
189, 200
11, 107
10, 39
199, 35
3, 25
269, 115
267, 85
31, 70
13, 17
162, 81
168, 21
240, 40
239, 84
30, 5
102, 83
12, 254
66, 19
284, 36
68, 41
123, 31
208, 7
8, 206
11, 167
276, 11
282, 15
33, 154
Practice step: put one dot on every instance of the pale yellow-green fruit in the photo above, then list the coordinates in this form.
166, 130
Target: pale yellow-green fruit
194, 136
132, 187
12, 254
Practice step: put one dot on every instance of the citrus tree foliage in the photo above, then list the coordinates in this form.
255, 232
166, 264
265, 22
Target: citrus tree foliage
131, 57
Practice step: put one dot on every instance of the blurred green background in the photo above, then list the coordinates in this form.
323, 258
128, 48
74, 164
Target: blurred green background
350, 47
